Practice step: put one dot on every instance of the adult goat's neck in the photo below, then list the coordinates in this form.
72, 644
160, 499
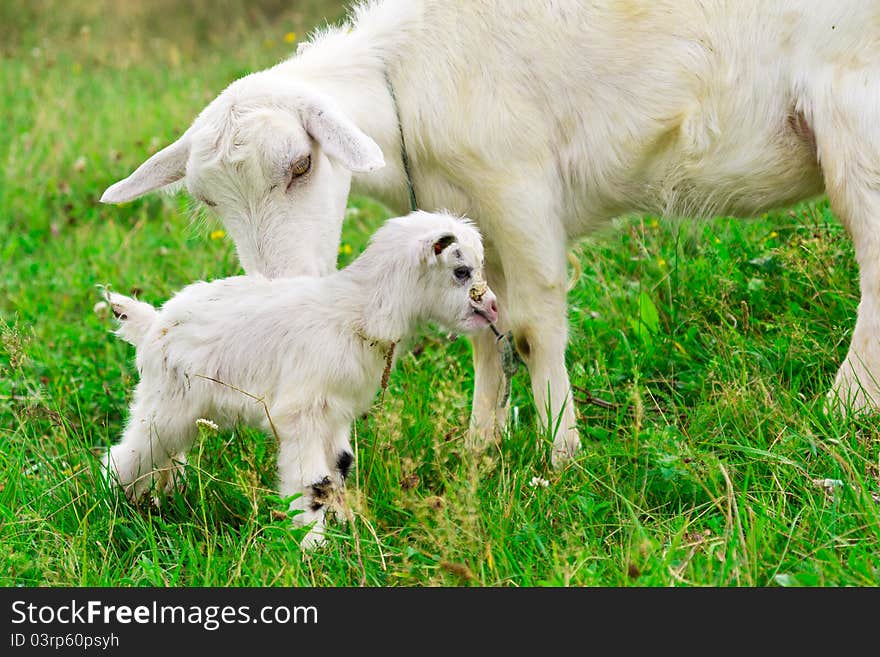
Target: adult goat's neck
353, 67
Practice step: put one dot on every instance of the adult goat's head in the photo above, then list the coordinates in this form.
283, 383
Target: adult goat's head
274, 161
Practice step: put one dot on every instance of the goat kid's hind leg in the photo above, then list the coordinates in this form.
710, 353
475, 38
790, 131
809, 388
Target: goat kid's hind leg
147, 457
304, 470
846, 123
490, 404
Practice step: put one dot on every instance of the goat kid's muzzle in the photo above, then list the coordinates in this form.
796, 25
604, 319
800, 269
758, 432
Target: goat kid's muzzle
483, 301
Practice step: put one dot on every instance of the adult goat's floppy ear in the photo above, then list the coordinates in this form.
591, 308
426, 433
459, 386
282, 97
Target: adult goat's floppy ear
340, 138
165, 167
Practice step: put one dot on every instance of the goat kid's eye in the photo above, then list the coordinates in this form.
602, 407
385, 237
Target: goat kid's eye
462, 273
299, 168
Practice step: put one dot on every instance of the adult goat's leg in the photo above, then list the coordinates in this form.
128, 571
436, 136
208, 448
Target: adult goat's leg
489, 410
531, 243
846, 122
541, 335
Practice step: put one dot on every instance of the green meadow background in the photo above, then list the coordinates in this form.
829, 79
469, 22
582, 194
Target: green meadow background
715, 342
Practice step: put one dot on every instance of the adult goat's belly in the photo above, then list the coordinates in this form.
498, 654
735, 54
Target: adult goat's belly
742, 152
744, 173
742, 169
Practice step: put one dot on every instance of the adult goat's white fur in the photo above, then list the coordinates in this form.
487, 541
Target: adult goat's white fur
301, 357
544, 120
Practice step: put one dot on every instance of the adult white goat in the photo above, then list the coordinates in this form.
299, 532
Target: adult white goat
313, 350
544, 120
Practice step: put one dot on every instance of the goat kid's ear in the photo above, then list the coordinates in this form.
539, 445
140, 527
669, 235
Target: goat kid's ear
340, 138
164, 168
442, 242
430, 248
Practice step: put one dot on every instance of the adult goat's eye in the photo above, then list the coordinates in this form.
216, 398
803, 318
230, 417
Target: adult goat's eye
462, 273
300, 167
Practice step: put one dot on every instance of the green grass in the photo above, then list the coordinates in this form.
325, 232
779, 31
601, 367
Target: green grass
717, 342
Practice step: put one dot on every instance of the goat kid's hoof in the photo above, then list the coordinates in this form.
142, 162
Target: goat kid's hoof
172, 478
315, 520
168, 480
123, 468
110, 473
314, 539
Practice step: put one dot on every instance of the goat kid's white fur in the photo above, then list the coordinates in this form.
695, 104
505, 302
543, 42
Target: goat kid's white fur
313, 350
543, 121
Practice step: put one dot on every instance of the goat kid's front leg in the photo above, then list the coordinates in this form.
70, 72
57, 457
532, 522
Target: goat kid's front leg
305, 470
340, 456
339, 453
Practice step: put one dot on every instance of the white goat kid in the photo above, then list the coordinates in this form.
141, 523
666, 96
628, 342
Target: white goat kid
544, 121
314, 350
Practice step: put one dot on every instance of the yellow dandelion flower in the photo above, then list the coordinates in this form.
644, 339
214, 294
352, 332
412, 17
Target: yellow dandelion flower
661, 262
717, 240
774, 235
290, 37
654, 223
217, 234
345, 249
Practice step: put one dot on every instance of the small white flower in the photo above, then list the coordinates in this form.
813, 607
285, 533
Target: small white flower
207, 424
829, 487
539, 481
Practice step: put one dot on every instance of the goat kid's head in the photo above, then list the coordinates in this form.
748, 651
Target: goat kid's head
275, 165
447, 254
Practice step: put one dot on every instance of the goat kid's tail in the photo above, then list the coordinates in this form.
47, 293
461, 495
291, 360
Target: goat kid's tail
135, 317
